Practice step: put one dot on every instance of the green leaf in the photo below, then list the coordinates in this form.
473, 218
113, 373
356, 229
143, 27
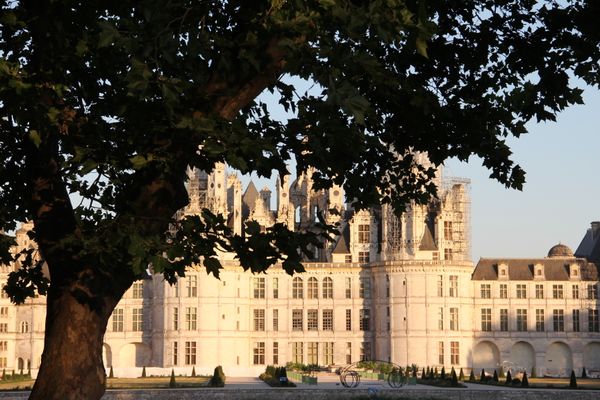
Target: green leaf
35, 137
421, 44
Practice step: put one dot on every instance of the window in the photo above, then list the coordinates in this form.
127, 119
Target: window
365, 319
593, 291
3, 346
117, 323
3, 362
3, 312
575, 291
453, 290
365, 351
297, 352
190, 353
3, 328
441, 357
540, 323
275, 288
176, 289
297, 322
454, 353
297, 288
259, 353
276, 320
312, 320
503, 319
348, 352
486, 319
327, 320
486, 291
365, 288
558, 319
348, 258
313, 288
576, 321
24, 327
521, 291
327, 288
441, 318
503, 291
138, 290
328, 353
448, 230
258, 285
363, 257
313, 353
593, 321
557, 291
190, 318
364, 234
448, 254
440, 286
522, 319
137, 320
275, 353
175, 353
348, 319
348, 285
175, 318
259, 319
453, 319
539, 291
192, 286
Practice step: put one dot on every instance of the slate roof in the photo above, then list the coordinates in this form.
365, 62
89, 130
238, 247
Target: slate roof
341, 247
590, 245
427, 242
521, 269
249, 199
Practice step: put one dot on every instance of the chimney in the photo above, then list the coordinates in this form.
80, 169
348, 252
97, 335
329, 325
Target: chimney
595, 229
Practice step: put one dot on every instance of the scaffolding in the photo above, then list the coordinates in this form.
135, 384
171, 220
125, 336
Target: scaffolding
455, 195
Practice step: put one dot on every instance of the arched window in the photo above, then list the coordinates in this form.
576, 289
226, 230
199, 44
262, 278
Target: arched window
328, 288
297, 288
24, 327
313, 288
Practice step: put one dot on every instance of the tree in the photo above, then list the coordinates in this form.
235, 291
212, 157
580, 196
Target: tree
573, 380
583, 374
172, 382
495, 376
508, 378
113, 101
472, 376
525, 380
461, 375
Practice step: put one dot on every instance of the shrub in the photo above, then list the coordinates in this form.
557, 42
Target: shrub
172, 382
472, 376
414, 370
435, 373
573, 381
143, 371
194, 371
583, 374
516, 382
482, 378
423, 375
218, 378
495, 377
111, 374
525, 381
508, 378
461, 375
453, 378
443, 373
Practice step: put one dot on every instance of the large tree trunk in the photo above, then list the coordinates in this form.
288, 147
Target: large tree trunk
72, 366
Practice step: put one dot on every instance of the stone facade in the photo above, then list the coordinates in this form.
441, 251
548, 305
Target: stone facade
400, 289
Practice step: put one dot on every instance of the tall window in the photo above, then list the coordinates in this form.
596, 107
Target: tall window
192, 286
175, 353
348, 287
365, 288
440, 285
190, 353
448, 254
503, 319
521, 291
191, 317
448, 230
576, 321
259, 353
558, 319
454, 353
275, 288
540, 323
4, 327
297, 288
348, 352
486, 319
3, 312
486, 291
364, 257
503, 291
453, 319
441, 318
348, 319
175, 318
259, 320
297, 323
593, 321
593, 291
328, 353
138, 290
348, 258
297, 352
258, 285
313, 353
3, 345
327, 320
557, 291
275, 353
539, 291
364, 234
522, 319
365, 351
312, 320
313, 288
453, 289
117, 325
327, 288
276, 320
137, 320
365, 319
575, 291
441, 358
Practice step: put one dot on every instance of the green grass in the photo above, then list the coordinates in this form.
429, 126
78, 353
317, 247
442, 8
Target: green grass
160, 382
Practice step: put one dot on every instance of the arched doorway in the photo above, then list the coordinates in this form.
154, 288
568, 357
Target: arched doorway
20, 364
558, 360
106, 356
522, 357
486, 356
591, 356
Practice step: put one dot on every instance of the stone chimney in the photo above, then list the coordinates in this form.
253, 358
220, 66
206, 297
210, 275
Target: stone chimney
595, 229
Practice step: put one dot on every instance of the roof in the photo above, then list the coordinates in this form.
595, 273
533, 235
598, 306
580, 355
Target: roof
521, 269
427, 242
589, 247
341, 247
249, 199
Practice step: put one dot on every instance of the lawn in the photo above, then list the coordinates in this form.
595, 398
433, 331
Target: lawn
122, 383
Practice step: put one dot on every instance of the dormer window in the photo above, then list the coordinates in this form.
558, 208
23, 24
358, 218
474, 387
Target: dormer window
539, 271
502, 271
574, 271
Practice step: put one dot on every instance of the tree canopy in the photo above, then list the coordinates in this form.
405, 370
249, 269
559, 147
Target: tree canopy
114, 100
